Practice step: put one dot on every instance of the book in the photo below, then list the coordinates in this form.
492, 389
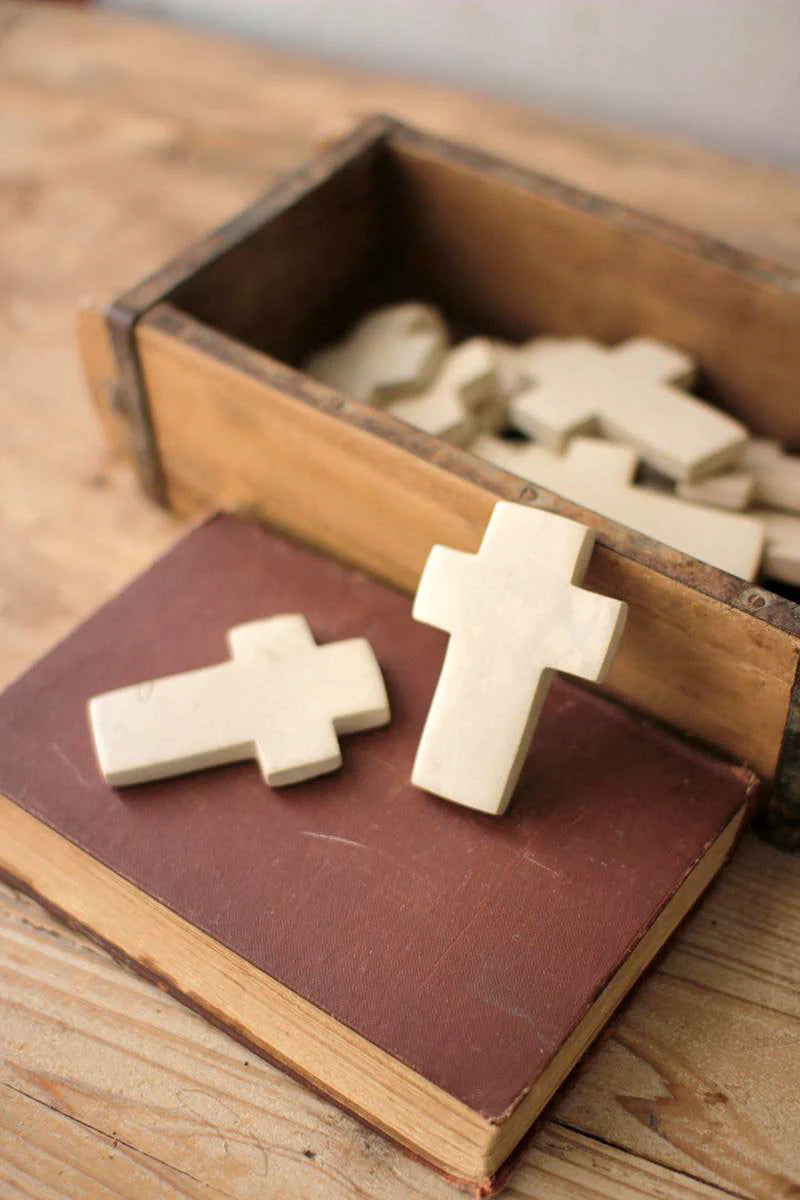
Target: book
434, 970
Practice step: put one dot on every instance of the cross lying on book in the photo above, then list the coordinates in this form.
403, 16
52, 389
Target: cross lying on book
281, 699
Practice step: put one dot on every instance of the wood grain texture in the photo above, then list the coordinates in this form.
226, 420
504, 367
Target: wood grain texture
707, 1081
517, 254
129, 1065
45, 1155
123, 141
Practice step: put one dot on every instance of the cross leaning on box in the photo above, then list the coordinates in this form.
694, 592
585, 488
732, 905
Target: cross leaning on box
515, 615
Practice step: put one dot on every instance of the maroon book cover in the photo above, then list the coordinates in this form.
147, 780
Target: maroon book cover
467, 946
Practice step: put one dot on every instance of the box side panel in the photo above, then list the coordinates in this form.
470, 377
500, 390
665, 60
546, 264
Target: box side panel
363, 145
263, 276
101, 370
369, 489
520, 254
299, 279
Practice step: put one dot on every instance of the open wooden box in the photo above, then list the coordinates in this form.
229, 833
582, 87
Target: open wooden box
195, 372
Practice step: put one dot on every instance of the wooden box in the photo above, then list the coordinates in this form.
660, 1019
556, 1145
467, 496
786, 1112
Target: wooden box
195, 372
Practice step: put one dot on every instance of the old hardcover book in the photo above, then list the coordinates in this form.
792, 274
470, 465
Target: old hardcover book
434, 970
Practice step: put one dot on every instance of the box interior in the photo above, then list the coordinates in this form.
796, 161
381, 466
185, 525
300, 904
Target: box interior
507, 254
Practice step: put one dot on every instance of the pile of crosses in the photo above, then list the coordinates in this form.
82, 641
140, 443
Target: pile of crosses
613, 429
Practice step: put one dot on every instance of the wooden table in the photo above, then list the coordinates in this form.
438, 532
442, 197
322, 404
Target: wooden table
119, 143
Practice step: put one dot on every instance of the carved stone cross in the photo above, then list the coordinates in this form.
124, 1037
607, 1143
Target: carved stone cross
630, 392
464, 396
597, 475
514, 615
776, 475
389, 353
281, 699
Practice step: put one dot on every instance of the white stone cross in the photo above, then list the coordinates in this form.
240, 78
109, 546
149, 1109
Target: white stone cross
281, 699
600, 462
514, 614
782, 550
629, 393
776, 475
389, 353
463, 396
597, 476
733, 490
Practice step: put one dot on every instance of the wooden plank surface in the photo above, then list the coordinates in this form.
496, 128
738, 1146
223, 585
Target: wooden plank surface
121, 141
138, 1073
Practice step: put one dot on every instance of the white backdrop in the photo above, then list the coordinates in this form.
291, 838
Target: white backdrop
722, 72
